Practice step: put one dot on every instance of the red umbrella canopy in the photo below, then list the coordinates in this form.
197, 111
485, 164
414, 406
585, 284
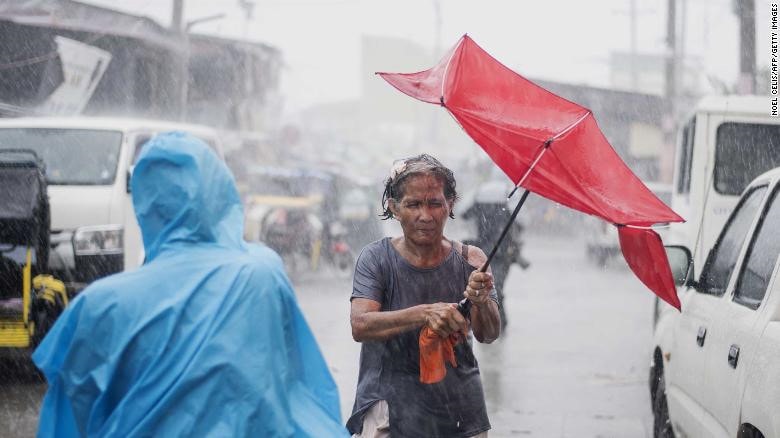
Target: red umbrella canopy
550, 146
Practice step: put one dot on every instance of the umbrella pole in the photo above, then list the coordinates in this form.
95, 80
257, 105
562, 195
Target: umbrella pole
506, 230
465, 305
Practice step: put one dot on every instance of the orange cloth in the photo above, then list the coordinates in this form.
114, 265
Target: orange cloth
434, 350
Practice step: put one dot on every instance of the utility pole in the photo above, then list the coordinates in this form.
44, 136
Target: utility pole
437, 30
669, 121
671, 53
177, 20
248, 7
634, 64
248, 120
434, 127
746, 14
633, 24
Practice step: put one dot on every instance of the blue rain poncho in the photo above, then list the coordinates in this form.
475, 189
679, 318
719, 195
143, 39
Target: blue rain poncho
205, 339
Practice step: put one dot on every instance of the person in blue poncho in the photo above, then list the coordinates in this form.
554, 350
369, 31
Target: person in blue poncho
205, 339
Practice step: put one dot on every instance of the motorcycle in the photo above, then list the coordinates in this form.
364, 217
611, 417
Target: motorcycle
293, 233
338, 251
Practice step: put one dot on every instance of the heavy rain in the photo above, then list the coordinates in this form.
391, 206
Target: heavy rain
305, 255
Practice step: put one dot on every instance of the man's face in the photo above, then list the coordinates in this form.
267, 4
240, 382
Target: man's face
423, 210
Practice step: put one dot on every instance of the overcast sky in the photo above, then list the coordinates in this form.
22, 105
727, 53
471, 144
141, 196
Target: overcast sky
568, 41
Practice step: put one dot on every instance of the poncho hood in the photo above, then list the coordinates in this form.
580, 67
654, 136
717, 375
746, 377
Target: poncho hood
183, 194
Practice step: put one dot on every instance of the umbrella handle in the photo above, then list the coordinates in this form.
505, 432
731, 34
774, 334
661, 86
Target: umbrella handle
464, 306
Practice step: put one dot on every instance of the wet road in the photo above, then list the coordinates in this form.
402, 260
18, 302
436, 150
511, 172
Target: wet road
573, 362
21, 391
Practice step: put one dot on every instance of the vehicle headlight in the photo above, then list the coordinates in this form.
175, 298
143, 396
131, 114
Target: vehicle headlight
98, 240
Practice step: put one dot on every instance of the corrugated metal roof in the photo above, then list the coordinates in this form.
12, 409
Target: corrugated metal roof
77, 16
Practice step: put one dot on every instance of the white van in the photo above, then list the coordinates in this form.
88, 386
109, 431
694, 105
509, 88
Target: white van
714, 366
88, 165
722, 146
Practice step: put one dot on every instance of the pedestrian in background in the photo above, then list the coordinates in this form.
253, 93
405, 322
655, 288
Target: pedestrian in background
205, 339
491, 214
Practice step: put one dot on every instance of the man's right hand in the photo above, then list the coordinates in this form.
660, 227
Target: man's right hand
445, 319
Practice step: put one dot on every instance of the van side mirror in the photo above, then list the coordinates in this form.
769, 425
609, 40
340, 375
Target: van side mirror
681, 262
127, 180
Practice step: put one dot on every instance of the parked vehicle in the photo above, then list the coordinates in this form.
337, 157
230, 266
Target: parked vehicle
30, 298
295, 233
714, 370
88, 165
339, 214
292, 227
723, 145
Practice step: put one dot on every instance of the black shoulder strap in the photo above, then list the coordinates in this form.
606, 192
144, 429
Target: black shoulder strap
464, 251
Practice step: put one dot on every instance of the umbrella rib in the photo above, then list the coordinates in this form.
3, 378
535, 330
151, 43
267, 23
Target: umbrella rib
446, 70
565, 168
570, 127
547, 145
640, 227
466, 115
530, 168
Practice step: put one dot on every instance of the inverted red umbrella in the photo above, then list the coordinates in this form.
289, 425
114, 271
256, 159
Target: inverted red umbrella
549, 146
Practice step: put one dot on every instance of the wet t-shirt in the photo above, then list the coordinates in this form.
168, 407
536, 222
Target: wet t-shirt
390, 370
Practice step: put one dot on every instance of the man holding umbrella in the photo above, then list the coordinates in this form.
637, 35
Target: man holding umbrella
544, 144
411, 284
550, 146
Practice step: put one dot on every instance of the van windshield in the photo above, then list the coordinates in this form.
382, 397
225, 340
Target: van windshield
742, 152
71, 156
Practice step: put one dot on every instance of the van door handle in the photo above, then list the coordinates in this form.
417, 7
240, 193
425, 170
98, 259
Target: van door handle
733, 355
701, 335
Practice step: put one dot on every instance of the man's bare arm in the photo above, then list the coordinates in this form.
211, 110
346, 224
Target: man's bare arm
485, 318
486, 322
369, 323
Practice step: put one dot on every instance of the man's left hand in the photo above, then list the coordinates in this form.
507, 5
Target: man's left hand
479, 287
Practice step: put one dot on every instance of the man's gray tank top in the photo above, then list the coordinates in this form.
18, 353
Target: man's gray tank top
390, 370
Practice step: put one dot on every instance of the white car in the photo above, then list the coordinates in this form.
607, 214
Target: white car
714, 371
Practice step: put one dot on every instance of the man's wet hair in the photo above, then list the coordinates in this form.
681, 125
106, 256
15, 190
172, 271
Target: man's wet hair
405, 168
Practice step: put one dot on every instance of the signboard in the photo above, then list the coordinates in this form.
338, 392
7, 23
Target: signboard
82, 67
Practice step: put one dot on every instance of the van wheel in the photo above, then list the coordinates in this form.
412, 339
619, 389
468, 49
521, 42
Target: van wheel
662, 425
